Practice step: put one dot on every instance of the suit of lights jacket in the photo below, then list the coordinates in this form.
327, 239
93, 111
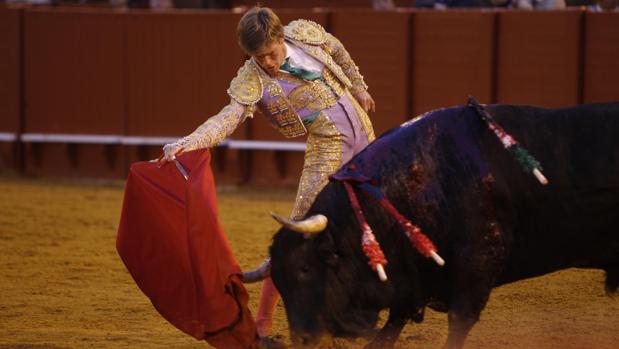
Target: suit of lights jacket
324, 109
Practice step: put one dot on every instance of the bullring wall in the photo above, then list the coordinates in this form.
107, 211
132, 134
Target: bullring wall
87, 92
10, 85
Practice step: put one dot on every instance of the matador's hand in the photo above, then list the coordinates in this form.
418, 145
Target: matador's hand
169, 153
366, 101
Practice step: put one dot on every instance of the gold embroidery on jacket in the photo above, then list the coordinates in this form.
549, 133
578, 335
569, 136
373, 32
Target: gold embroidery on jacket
273, 88
277, 106
306, 31
281, 112
289, 123
336, 50
322, 158
291, 78
334, 83
314, 96
319, 53
246, 87
216, 128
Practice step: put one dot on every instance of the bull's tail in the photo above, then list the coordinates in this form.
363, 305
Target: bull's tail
612, 279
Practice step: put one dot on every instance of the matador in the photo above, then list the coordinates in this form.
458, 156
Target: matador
305, 82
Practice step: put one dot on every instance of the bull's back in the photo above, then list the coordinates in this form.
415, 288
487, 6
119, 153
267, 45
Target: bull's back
574, 220
576, 146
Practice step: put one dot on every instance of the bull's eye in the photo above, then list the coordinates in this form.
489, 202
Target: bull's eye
305, 269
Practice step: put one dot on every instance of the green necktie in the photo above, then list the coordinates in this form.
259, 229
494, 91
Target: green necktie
305, 75
299, 72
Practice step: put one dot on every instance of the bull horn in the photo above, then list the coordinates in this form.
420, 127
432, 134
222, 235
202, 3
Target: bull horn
262, 272
309, 226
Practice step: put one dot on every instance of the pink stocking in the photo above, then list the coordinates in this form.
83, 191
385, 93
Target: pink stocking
268, 300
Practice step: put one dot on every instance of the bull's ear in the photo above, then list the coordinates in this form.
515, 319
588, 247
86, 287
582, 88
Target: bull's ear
327, 250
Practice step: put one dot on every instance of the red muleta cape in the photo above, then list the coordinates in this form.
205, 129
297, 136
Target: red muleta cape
171, 241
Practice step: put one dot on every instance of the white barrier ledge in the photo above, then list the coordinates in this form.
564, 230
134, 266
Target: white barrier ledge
69, 138
8, 137
146, 140
266, 145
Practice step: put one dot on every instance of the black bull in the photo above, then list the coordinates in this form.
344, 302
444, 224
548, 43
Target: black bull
491, 222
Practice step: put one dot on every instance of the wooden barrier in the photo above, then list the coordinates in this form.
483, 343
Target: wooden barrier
452, 58
104, 83
378, 42
8, 159
74, 83
10, 85
75, 159
10, 67
538, 59
74, 72
601, 66
277, 4
179, 65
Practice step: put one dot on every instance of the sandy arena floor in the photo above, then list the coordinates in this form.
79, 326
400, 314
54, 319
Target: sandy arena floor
62, 284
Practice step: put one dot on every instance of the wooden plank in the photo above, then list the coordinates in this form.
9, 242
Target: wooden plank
452, 58
74, 71
378, 43
10, 67
538, 58
601, 66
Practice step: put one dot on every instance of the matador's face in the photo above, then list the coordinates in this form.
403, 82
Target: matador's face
270, 57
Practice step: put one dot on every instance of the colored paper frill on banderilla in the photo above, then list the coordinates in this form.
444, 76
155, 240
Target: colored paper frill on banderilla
170, 240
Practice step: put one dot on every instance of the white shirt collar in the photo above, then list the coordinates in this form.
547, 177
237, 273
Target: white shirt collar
288, 50
300, 59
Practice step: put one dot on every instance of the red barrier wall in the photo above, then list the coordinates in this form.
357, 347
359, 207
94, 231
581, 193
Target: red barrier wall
74, 83
74, 71
179, 66
452, 58
10, 66
10, 84
75, 160
305, 4
601, 66
378, 43
142, 73
8, 160
539, 57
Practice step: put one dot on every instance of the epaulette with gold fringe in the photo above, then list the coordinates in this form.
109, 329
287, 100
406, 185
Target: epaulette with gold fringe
305, 31
246, 87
